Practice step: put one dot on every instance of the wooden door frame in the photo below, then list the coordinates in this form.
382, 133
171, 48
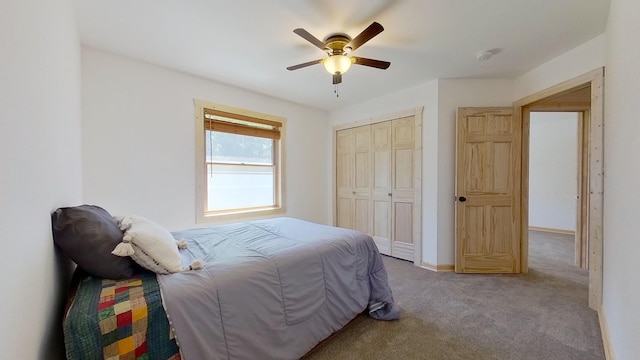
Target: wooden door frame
417, 113
582, 175
595, 172
581, 252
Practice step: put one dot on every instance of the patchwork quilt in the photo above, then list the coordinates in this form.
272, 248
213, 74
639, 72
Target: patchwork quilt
119, 320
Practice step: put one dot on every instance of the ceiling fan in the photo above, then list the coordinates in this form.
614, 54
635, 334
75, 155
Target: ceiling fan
338, 47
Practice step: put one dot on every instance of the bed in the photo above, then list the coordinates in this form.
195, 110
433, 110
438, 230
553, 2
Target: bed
265, 289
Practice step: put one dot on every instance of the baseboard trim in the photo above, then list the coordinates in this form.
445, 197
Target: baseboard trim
437, 268
604, 330
552, 230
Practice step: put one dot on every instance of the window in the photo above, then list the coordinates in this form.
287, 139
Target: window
239, 162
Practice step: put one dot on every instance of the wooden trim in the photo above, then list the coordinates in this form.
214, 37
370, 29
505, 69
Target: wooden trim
596, 188
417, 251
581, 241
606, 335
560, 89
552, 230
201, 182
457, 189
582, 215
552, 106
517, 186
544, 106
579, 234
240, 114
438, 268
525, 117
595, 79
201, 173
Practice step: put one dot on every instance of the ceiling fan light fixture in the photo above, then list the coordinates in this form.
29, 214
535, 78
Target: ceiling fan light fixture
337, 64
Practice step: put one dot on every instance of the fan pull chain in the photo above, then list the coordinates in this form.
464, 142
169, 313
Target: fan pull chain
335, 90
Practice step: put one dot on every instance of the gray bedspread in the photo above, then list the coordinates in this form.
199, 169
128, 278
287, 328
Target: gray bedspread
272, 289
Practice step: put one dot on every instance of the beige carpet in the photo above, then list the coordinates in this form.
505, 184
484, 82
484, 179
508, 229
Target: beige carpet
542, 315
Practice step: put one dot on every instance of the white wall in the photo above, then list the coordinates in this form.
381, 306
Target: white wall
553, 170
41, 169
138, 140
440, 100
622, 176
573, 63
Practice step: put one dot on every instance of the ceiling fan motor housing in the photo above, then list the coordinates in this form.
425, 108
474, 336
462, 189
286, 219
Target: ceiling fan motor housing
336, 44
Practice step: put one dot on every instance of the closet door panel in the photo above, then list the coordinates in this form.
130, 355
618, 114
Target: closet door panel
362, 179
403, 187
381, 134
344, 178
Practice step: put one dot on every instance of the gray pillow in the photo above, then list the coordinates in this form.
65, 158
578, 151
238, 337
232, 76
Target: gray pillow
88, 234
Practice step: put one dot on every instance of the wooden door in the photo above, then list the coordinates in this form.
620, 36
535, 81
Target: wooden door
381, 207
344, 178
353, 179
488, 178
362, 179
403, 181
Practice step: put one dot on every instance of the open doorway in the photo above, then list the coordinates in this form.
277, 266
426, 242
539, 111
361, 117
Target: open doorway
559, 158
554, 177
567, 97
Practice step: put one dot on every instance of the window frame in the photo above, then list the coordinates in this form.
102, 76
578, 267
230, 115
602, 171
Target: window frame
204, 216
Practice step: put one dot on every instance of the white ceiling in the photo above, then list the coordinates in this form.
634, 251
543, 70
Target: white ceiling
249, 43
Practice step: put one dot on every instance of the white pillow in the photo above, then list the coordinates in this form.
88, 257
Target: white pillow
151, 246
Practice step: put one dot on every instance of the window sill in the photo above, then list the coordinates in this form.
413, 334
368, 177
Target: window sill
242, 215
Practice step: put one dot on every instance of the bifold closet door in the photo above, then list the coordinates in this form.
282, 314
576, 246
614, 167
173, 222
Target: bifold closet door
376, 183
353, 178
381, 135
403, 167
344, 178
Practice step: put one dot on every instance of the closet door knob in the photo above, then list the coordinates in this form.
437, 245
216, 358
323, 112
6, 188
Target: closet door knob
462, 199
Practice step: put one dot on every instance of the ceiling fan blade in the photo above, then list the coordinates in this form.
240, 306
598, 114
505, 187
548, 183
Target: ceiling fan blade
337, 78
371, 62
310, 38
309, 63
366, 35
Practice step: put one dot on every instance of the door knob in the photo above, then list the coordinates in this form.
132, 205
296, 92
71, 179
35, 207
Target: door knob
462, 199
